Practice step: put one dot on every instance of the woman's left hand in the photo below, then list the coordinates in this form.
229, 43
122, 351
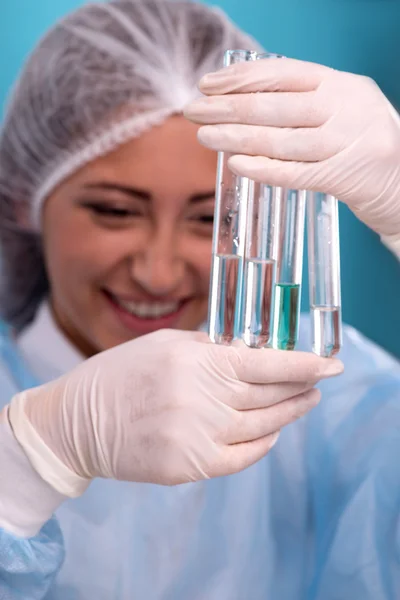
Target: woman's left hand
308, 127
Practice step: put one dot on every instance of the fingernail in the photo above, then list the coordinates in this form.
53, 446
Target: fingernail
332, 367
207, 107
198, 108
307, 401
208, 135
195, 107
212, 79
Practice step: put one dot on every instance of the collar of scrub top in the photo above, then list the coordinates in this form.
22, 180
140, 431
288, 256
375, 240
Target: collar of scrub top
45, 349
11, 357
40, 353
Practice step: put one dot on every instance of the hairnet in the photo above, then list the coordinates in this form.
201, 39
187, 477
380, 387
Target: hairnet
100, 77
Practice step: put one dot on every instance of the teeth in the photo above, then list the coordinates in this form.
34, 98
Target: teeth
149, 311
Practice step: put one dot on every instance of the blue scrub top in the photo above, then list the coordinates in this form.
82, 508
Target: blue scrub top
316, 519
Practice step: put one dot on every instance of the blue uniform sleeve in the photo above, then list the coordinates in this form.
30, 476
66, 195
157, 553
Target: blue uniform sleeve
353, 451
29, 566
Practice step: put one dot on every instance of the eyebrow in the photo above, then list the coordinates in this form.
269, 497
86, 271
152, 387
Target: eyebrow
130, 191
143, 194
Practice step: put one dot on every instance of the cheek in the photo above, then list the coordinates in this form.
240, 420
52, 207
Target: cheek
73, 259
81, 257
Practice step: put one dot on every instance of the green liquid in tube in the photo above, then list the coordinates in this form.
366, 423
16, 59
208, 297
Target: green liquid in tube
286, 316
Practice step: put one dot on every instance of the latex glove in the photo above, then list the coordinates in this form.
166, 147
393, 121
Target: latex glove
309, 127
167, 408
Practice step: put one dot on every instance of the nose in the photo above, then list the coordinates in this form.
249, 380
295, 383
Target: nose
159, 267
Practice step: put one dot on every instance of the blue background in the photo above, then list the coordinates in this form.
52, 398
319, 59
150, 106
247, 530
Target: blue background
361, 36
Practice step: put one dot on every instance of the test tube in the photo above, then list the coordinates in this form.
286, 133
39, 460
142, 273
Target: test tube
230, 214
324, 273
287, 295
260, 258
262, 239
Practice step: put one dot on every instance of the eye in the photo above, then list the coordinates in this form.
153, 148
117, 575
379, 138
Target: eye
201, 224
111, 211
206, 219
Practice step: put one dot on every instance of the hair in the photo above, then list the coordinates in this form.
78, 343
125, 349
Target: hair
100, 77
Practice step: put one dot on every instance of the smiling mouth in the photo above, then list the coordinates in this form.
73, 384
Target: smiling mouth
148, 310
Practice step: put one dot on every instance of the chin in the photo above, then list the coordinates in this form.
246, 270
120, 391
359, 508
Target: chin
110, 340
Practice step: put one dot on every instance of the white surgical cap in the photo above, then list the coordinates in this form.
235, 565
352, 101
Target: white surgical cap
99, 78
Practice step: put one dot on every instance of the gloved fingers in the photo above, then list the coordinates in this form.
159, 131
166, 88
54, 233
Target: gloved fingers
281, 75
281, 173
276, 109
254, 424
166, 335
279, 366
238, 457
303, 145
262, 396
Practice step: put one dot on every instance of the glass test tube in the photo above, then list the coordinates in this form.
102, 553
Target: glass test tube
231, 198
260, 259
261, 252
287, 294
324, 273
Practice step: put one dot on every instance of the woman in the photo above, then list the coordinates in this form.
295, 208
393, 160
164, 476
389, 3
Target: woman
120, 192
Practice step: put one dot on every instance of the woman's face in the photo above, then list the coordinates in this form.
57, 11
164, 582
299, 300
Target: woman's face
127, 239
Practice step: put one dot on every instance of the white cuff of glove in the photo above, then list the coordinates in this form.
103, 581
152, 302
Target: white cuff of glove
26, 501
393, 243
44, 461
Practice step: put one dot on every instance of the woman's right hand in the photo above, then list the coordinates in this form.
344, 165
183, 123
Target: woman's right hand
168, 408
